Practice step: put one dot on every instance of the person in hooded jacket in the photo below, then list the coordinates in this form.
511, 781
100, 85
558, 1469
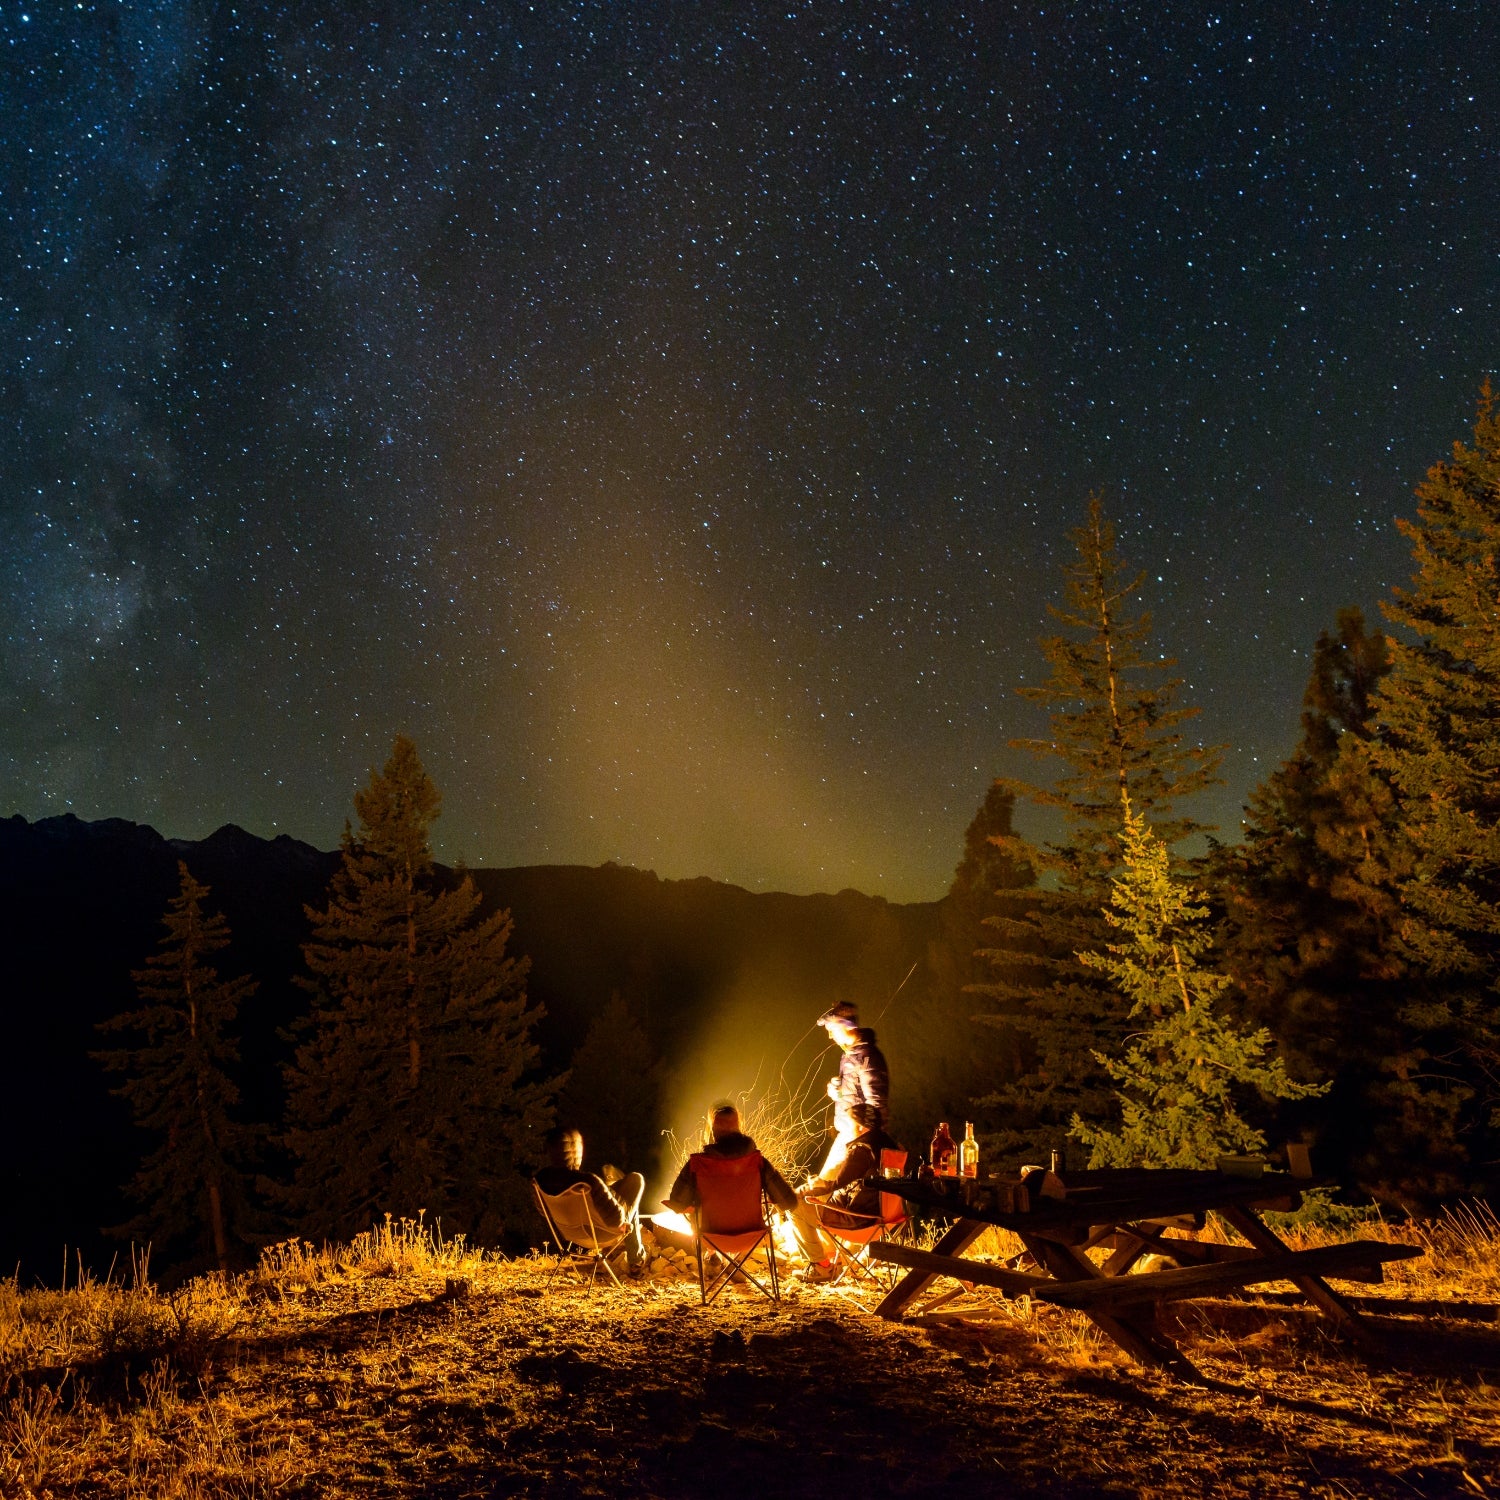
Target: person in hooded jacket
863, 1078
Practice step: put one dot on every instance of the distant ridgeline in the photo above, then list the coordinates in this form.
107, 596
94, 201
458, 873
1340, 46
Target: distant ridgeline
81, 905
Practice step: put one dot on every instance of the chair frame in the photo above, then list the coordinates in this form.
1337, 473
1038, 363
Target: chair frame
607, 1242
850, 1243
735, 1247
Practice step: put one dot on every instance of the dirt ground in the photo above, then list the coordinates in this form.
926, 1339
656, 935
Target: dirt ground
507, 1380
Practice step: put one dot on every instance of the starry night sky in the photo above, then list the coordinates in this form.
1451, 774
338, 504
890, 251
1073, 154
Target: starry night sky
671, 414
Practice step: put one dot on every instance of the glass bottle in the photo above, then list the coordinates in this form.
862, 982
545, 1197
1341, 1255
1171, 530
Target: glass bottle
944, 1152
968, 1152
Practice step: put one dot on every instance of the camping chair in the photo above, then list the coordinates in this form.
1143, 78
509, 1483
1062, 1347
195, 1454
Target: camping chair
851, 1241
582, 1240
730, 1219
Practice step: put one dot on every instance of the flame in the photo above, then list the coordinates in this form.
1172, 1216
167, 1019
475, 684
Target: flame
672, 1220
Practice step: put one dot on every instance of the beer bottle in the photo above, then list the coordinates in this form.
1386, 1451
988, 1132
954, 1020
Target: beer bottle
968, 1152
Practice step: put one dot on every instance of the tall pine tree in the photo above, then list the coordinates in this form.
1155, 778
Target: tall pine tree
1439, 715
1312, 909
412, 1087
1116, 727
1181, 1082
192, 1185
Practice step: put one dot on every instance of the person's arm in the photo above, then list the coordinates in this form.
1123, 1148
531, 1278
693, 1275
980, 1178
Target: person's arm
857, 1165
875, 1081
612, 1213
684, 1194
776, 1187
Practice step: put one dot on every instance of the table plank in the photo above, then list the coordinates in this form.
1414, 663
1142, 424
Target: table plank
1194, 1281
1135, 1332
1243, 1218
1126, 1198
956, 1239
977, 1272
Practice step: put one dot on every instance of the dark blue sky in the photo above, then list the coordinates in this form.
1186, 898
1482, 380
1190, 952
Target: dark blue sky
672, 415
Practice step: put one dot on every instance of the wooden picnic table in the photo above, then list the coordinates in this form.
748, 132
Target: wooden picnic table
1130, 1212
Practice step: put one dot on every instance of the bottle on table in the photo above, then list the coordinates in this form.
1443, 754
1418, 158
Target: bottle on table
944, 1152
968, 1152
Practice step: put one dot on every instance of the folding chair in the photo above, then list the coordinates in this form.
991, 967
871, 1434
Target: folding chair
850, 1242
581, 1239
730, 1219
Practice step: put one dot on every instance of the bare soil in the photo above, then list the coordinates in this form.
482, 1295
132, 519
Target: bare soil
408, 1375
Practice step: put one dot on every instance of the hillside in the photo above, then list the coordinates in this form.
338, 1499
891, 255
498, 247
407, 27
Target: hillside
726, 981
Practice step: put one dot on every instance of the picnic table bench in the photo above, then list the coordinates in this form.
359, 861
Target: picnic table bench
1130, 1212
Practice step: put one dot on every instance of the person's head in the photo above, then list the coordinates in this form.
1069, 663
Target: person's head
726, 1121
841, 1022
564, 1147
865, 1116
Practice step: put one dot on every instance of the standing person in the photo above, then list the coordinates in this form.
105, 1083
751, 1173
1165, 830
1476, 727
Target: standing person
862, 1078
618, 1206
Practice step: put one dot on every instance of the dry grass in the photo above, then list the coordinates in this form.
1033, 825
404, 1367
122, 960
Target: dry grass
406, 1365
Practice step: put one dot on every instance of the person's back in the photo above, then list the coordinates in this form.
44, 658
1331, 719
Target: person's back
729, 1143
616, 1207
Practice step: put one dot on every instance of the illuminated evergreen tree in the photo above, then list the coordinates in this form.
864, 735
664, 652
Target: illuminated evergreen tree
412, 1085
1439, 746
192, 1184
1180, 1082
1115, 726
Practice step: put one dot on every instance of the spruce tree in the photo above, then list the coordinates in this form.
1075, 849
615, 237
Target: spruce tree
412, 1084
934, 1007
1116, 727
1439, 714
614, 1087
1180, 1082
192, 1184
1312, 907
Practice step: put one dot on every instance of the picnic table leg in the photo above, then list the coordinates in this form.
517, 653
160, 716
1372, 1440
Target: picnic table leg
1133, 1332
956, 1239
1314, 1288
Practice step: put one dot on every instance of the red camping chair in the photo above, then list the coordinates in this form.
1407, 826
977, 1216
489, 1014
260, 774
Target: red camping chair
731, 1219
582, 1240
851, 1241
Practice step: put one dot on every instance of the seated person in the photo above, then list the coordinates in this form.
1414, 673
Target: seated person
726, 1140
617, 1207
851, 1197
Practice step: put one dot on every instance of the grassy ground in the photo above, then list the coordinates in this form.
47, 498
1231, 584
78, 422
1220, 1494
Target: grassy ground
400, 1367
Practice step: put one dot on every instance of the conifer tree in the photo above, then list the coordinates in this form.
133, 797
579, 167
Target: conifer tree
935, 1005
1439, 713
412, 1084
192, 1184
1312, 908
1182, 1080
613, 1088
1116, 727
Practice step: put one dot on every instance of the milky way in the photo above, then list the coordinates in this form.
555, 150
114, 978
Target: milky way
672, 414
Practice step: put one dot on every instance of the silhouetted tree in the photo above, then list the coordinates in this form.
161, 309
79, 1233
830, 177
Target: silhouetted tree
1180, 1082
1311, 915
1439, 746
412, 1085
613, 1090
944, 1064
192, 1184
1116, 727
